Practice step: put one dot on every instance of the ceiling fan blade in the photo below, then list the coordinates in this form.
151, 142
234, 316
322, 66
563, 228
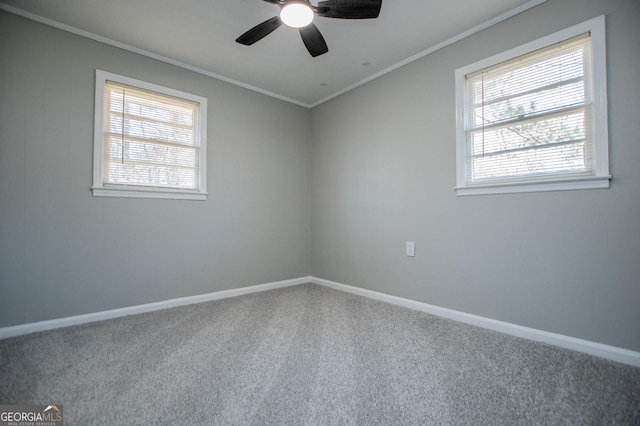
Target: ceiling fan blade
260, 31
349, 9
313, 40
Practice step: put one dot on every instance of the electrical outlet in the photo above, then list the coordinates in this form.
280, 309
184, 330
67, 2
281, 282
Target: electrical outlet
411, 249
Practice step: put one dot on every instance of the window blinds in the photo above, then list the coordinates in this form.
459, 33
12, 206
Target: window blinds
531, 116
150, 139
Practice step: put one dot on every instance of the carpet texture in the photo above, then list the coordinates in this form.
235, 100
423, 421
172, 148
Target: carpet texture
308, 355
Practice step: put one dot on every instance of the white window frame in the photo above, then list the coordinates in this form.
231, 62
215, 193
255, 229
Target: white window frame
102, 189
600, 178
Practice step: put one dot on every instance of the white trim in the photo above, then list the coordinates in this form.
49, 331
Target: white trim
435, 48
100, 189
613, 353
450, 41
600, 104
600, 138
22, 329
143, 52
588, 182
139, 192
592, 348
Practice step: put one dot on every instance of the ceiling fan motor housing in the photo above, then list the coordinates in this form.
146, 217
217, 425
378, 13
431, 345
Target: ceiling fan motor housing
311, 36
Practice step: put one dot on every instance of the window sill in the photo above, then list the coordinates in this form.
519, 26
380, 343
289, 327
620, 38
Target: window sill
148, 193
591, 182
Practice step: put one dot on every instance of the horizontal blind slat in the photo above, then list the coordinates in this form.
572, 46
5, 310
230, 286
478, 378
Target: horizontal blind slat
530, 116
150, 139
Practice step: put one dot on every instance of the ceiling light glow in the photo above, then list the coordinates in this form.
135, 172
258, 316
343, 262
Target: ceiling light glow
296, 15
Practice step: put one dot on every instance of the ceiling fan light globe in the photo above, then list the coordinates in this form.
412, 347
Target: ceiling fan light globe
296, 15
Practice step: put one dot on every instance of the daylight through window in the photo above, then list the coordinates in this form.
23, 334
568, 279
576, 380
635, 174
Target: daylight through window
151, 142
530, 119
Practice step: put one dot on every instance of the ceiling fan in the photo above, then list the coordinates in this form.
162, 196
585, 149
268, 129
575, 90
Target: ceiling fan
299, 14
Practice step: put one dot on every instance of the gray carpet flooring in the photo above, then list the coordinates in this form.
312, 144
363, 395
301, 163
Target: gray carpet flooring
309, 355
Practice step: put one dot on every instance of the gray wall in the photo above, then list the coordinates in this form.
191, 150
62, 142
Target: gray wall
64, 252
383, 172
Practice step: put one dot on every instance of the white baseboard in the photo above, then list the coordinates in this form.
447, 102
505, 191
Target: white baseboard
598, 349
613, 353
19, 330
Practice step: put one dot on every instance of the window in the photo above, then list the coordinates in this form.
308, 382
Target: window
535, 118
149, 141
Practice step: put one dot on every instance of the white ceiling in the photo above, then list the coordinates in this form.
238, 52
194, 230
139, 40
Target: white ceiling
200, 34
